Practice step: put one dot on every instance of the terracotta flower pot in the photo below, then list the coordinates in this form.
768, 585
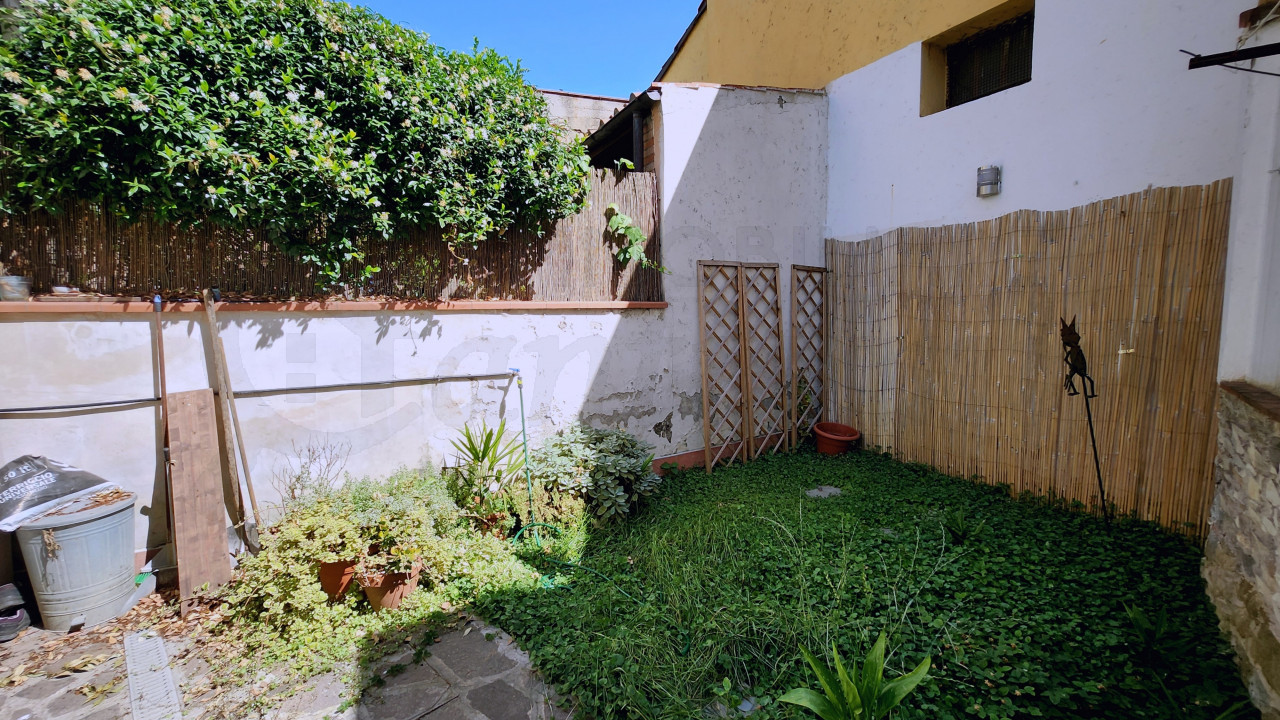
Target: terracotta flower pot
335, 577
387, 591
834, 438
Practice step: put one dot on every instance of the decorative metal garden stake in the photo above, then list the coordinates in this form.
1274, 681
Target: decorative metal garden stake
1077, 365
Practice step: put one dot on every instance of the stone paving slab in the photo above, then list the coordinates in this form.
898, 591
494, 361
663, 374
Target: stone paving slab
474, 672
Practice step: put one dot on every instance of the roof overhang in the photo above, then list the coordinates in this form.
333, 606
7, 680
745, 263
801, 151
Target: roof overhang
702, 10
621, 120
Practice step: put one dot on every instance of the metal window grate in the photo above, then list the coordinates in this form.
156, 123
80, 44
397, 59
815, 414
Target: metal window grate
152, 693
990, 61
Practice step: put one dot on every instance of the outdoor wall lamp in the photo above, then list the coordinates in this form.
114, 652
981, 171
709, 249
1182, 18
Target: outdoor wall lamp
988, 180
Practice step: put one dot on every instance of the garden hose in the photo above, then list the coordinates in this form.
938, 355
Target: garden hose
533, 520
528, 473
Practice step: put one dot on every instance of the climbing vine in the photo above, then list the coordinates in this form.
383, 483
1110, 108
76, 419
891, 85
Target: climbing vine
326, 125
631, 239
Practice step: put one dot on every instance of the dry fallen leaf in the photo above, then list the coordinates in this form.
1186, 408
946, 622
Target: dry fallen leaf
16, 678
82, 664
97, 693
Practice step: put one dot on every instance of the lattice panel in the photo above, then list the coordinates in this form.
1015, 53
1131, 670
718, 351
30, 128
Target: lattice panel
720, 305
766, 401
808, 346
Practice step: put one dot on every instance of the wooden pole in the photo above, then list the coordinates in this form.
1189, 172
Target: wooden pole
228, 399
702, 358
164, 415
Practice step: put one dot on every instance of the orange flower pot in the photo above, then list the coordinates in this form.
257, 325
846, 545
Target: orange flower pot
335, 577
387, 591
834, 439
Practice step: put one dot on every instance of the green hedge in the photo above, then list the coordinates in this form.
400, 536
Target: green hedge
322, 123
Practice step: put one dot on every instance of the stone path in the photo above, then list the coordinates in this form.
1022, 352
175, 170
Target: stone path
474, 672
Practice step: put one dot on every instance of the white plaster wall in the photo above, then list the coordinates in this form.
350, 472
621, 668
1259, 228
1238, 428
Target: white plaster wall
743, 177
1111, 109
590, 366
1251, 310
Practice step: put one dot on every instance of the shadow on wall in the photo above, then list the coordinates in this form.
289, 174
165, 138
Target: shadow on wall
742, 176
744, 180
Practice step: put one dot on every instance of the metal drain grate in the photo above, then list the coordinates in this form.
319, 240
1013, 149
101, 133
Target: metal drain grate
152, 693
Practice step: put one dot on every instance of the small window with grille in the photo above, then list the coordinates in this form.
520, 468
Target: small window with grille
990, 61
976, 58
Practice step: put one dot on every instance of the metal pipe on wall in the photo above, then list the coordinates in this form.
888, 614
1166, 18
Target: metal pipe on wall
436, 379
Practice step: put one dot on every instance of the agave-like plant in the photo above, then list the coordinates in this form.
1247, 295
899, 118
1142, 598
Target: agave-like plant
855, 695
960, 528
488, 459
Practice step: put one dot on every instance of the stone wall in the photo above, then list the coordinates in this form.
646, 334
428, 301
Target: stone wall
1243, 548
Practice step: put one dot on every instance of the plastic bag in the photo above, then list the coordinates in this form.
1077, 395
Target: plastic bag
31, 486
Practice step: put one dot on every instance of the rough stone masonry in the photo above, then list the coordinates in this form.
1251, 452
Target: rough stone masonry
1242, 551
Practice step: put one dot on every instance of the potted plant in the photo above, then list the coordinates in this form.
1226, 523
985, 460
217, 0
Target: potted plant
327, 533
339, 542
487, 462
388, 570
399, 521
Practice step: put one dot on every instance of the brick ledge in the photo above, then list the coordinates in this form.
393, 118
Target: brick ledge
1264, 401
363, 306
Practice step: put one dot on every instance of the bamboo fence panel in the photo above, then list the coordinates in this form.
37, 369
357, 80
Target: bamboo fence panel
945, 346
573, 260
861, 314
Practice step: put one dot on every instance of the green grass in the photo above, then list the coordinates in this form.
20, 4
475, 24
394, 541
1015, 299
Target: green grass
731, 573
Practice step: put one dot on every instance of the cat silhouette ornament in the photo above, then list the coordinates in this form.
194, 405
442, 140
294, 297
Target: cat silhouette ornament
1076, 363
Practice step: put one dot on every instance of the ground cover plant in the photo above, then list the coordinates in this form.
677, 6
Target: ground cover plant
325, 124
274, 616
611, 469
707, 594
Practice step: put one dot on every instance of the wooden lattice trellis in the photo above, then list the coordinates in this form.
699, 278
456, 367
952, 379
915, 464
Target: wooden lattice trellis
766, 378
808, 348
746, 396
720, 313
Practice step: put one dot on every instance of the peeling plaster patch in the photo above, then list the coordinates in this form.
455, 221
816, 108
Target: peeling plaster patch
627, 396
618, 419
690, 404
663, 429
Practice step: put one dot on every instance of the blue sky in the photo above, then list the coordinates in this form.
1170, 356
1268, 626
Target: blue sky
603, 47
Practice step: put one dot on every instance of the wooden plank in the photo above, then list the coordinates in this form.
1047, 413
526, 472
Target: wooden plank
792, 420
228, 397
199, 519
748, 434
702, 359
224, 398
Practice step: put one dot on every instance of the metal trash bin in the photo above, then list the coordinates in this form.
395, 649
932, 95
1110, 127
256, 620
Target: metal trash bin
79, 557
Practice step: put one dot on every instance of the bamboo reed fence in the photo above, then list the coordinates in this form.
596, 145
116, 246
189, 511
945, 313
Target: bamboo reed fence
573, 261
944, 347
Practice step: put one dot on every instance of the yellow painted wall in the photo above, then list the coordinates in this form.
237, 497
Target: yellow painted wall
808, 43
